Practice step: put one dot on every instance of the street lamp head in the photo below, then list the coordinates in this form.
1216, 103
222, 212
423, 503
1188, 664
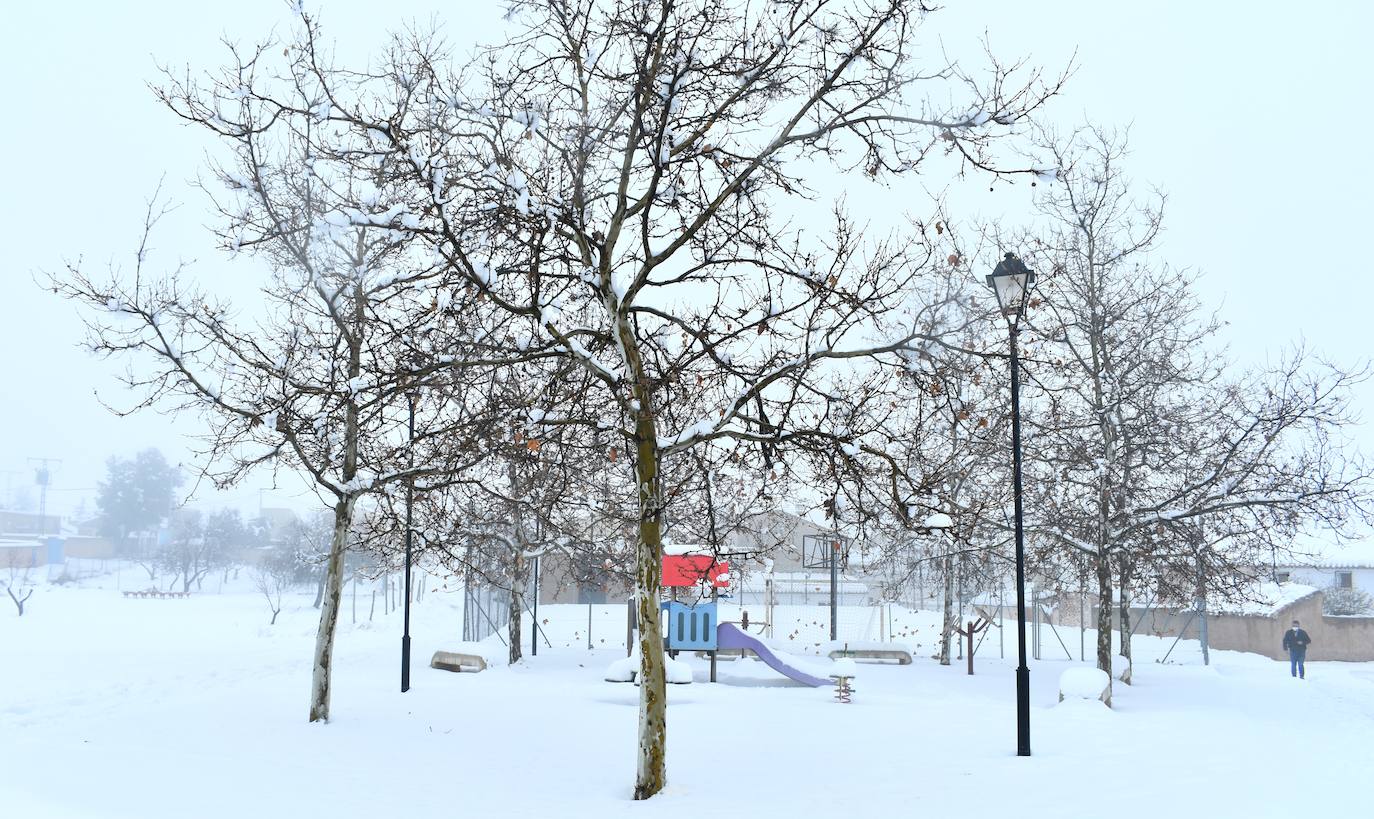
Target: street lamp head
1011, 280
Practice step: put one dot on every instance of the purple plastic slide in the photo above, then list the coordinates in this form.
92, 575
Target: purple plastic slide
727, 636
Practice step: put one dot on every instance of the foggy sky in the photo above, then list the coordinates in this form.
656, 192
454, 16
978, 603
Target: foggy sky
1254, 117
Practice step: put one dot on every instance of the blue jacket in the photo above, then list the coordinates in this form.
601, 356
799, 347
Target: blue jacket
1295, 639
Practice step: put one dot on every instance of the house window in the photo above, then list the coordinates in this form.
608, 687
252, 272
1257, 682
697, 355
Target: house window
1345, 580
1281, 577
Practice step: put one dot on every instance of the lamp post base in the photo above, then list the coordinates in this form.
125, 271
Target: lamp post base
405, 663
1023, 711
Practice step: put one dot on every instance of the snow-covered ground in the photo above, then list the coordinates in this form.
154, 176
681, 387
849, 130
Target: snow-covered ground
113, 707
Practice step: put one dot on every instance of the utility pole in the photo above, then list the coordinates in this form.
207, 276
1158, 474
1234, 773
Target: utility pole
43, 477
9, 487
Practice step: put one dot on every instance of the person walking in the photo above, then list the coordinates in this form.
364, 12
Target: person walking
1295, 642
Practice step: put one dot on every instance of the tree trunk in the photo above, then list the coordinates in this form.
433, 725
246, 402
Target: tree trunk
1202, 610
319, 592
651, 770
19, 601
1124, 619
948, 622
517, 601
1104, 620
329, 612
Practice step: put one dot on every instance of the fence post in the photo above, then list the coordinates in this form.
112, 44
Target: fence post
589, 626
534, 619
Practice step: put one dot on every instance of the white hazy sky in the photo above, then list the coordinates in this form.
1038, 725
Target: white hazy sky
1254, 117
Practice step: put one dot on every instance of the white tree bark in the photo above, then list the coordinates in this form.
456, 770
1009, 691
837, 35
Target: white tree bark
329, 613
948, 620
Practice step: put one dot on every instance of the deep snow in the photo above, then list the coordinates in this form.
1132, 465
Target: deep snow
111, 707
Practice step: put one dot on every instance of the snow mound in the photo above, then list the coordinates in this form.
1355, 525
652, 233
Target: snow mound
677, 671
626, 669
623, 670
1083, 684
1121, 668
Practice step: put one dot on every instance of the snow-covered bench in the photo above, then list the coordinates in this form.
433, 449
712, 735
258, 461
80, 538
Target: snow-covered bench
458, 661
156, 593
871, 651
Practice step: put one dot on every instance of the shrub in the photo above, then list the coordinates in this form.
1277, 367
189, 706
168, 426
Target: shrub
1338, 601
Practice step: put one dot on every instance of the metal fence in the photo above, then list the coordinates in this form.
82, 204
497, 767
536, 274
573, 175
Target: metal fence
486, 609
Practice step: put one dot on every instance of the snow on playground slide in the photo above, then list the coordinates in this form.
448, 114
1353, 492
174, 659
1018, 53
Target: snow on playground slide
728, 636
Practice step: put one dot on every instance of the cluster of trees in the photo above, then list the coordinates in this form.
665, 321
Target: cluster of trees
575, 293
136, 497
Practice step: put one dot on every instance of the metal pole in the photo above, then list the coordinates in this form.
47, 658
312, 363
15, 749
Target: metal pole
834, 582
1022, 672
1082, 621
1202, 611
410, 531
534, 626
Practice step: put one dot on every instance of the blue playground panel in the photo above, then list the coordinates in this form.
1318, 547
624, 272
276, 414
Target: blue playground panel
689, 627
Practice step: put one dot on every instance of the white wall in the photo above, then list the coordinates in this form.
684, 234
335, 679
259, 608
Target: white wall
1363, 579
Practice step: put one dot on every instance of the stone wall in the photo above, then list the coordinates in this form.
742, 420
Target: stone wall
1333, 638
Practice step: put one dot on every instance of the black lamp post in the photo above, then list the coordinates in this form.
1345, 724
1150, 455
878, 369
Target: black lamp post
1011, 281
410, 528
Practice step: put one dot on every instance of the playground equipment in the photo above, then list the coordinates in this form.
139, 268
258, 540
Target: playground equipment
692, 623
728, 636
843, 672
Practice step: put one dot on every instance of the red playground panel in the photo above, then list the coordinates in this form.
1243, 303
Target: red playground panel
691, 570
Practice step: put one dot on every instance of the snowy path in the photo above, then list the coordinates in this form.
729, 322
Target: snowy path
115, 708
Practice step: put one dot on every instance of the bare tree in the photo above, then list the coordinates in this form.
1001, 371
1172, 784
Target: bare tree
1137, 434
311, 381
18, 583
631, 215
273, 576
613, 190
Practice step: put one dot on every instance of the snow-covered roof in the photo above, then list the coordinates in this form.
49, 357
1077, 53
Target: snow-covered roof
1329, 556
1271, 599
687, 549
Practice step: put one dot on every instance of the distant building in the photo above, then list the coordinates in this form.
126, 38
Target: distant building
1342, 567
279, 523
778, 555
29, 523
21, 553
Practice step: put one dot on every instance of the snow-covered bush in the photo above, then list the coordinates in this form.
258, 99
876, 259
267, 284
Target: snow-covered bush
1338, 602
626, 669
1121, 668
1084, 684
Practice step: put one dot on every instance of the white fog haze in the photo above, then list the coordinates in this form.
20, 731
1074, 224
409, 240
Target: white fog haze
649, 368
